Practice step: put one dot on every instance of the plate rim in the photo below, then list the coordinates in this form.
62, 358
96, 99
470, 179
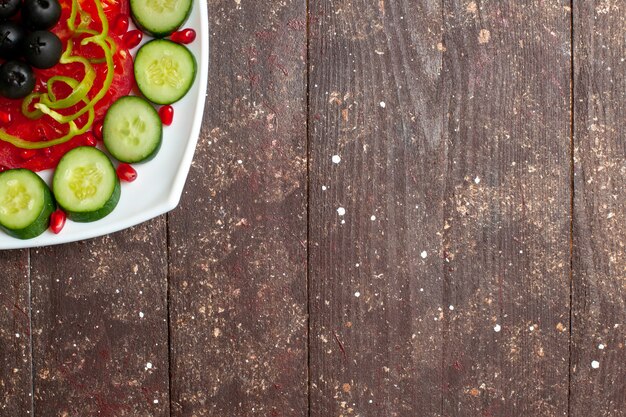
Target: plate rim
173, 198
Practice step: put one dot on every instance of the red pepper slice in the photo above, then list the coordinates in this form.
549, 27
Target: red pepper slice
127, 173
185, 36
166, 113
132, 38
120, 25
57, 221
97, 129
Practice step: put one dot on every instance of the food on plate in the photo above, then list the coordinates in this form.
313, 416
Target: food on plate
42, 49
132, 38
93, 71
41, 14
12, 35
126, 172
9, 8
166, 113
25, 204
66, 75
132, 130
160, 18
17, 79
164, 71
85, 184
57, 221
185, 36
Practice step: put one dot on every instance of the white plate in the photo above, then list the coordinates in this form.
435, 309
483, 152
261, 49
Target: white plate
160, 182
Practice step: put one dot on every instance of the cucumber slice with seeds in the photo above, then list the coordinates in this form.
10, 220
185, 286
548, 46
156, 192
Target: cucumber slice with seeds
25, 204
159, 18
132, 130
85, 184
164, 71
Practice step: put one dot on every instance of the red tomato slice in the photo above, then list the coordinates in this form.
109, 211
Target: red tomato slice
12, 157
112, 9
123, 80
45, 127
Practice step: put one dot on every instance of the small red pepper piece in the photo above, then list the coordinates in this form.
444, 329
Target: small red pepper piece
166, 113
185, 36
97, 129
120, 25
26, 154
132, 38
40, 85
5, 117
127, 173
57, 221
90, 140
3, 168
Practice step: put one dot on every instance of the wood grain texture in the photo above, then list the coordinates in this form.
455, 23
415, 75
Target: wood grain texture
238, 241
15, 355
599, 275
426, 218
375, 265
507, 210
99, 313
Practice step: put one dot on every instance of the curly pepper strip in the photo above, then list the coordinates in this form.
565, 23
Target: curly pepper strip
48, 103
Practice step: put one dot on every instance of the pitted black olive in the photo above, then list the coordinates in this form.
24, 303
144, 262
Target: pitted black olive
16, 79
42, 49
41, 14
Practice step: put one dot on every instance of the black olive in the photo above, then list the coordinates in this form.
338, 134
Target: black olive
8, 8
11, 36
42, 49
41, 14
16, 79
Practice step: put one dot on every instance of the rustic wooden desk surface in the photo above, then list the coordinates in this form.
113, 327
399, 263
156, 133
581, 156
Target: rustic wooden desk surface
396, 208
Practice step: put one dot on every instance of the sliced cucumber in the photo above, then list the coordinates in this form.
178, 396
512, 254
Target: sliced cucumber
159, 18
25, 204
85, 184
164, 71
132, 130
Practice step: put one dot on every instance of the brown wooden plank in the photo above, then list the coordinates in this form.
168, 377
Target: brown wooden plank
15, 354
238, 241
598, 385
375, 301
99, 313
507, 211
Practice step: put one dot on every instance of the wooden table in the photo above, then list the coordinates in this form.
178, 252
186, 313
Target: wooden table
396, 208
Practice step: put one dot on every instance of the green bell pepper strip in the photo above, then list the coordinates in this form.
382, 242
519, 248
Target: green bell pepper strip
48, 109
35, 114
66, 58
101, 41
81, 90
48, 102
109, 40
72, 132
77, 94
